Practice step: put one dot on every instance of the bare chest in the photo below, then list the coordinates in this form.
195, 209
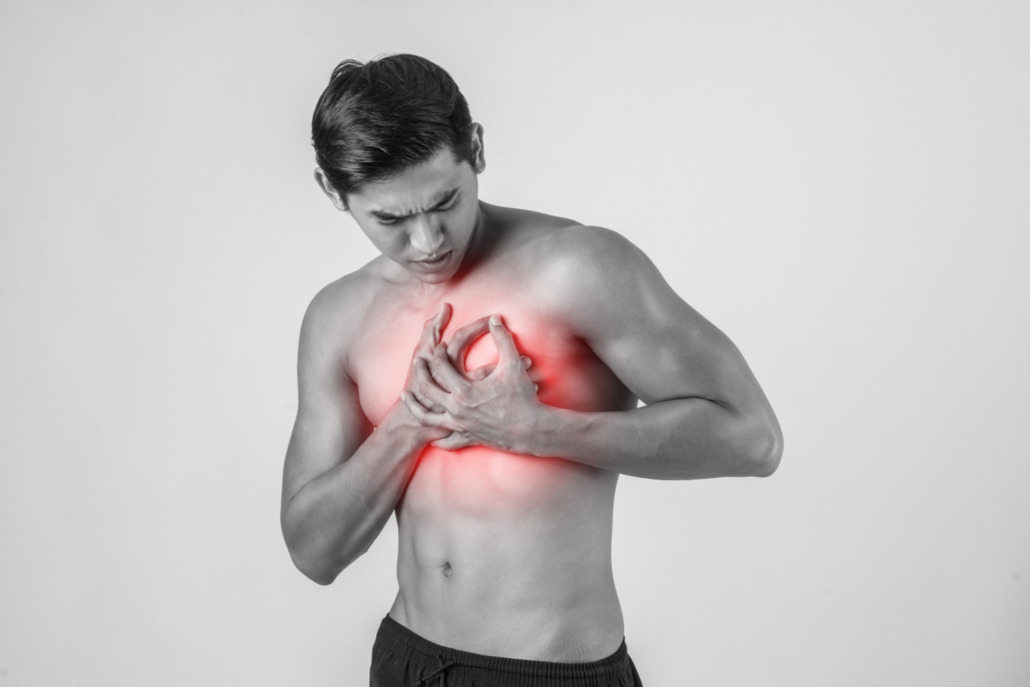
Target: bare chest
567, 371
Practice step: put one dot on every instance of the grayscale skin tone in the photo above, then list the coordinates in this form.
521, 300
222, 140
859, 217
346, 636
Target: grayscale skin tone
498, 441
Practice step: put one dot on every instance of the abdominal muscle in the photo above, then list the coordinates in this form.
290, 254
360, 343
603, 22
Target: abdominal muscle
508, 555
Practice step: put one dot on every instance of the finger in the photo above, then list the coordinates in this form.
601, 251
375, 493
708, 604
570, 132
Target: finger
463, 338
424, 417
428, 333
411, 400
441, 320
433, 327
481, 373
503, 340
446, 377
445, 443
484, 371
425, 387
454, 441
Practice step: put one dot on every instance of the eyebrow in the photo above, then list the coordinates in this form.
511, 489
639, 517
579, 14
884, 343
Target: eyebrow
386, 214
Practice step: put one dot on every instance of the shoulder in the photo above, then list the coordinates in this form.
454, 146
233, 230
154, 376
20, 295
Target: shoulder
334, 315
569, 264
593, 248
563, 246
601, 284
592, 262
335, 301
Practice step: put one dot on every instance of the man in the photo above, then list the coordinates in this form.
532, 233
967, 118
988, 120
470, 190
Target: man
481, 380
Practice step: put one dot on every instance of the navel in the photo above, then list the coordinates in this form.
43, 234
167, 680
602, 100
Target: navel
447, 569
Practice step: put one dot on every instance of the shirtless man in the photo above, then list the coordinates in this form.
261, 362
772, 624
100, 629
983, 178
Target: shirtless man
481, 380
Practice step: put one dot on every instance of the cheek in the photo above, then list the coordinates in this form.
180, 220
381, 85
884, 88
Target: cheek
389, 242
460, 223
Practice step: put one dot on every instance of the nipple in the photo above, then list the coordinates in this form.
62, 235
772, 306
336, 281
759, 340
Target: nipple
446, 569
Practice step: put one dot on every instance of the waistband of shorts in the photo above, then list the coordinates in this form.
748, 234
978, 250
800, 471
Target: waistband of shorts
521, 671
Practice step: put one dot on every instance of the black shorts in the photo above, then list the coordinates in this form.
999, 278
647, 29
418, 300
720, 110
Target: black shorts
401, 658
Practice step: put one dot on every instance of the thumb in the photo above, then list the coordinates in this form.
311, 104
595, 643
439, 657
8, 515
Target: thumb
503, 340
453, 441
481, 373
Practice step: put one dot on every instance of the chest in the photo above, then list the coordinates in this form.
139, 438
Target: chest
566, 370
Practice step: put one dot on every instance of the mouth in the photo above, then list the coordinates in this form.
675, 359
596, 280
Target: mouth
433, 262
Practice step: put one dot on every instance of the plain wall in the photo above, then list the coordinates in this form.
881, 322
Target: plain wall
842, 187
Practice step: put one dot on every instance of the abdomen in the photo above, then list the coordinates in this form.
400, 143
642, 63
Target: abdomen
509, 555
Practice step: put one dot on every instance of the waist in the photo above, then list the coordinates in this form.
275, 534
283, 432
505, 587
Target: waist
395, 637
555, 620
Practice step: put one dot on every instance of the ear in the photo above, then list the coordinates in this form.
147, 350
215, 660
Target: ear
327, 188
478, 149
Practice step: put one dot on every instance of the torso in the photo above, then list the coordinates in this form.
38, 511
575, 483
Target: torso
499, 554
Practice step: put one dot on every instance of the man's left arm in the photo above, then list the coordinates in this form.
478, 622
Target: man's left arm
705, 413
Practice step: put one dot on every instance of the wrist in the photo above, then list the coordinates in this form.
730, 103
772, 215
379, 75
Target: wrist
546, 432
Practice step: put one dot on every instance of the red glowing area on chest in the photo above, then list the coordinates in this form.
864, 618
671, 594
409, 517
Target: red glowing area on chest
565, 370
478, 479
481, 353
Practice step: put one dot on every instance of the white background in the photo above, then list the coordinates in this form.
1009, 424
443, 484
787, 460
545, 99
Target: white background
841, 186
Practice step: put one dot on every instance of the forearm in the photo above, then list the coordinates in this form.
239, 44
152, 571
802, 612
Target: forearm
689, 438
335, 517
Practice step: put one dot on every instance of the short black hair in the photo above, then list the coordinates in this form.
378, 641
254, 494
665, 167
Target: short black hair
378, 118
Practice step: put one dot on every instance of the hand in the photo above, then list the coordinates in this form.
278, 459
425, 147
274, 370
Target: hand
418, 376
491, 406
457, 349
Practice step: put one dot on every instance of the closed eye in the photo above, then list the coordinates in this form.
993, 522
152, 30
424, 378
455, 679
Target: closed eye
447, 204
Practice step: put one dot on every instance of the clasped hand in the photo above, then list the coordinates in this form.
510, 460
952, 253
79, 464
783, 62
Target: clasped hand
493, 405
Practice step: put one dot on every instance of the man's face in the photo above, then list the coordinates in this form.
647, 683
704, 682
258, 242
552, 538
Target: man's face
425, 219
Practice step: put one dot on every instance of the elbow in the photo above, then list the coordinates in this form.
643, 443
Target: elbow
764, 451
316, 570
753, 447
322, 576
309, 559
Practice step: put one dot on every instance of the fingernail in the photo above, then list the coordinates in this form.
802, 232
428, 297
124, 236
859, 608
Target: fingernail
495, 320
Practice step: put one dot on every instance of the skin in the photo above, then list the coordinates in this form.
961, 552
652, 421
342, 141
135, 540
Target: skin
489, 399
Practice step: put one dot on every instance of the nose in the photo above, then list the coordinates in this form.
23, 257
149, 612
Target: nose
426, 233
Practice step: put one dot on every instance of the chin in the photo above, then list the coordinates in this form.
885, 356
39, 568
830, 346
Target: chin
436, 278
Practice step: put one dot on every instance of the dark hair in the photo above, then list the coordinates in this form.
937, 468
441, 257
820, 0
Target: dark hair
376, 119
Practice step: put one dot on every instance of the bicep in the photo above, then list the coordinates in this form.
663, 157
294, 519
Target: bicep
656, 344
330, 424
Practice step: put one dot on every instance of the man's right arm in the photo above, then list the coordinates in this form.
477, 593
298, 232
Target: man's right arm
341, 479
